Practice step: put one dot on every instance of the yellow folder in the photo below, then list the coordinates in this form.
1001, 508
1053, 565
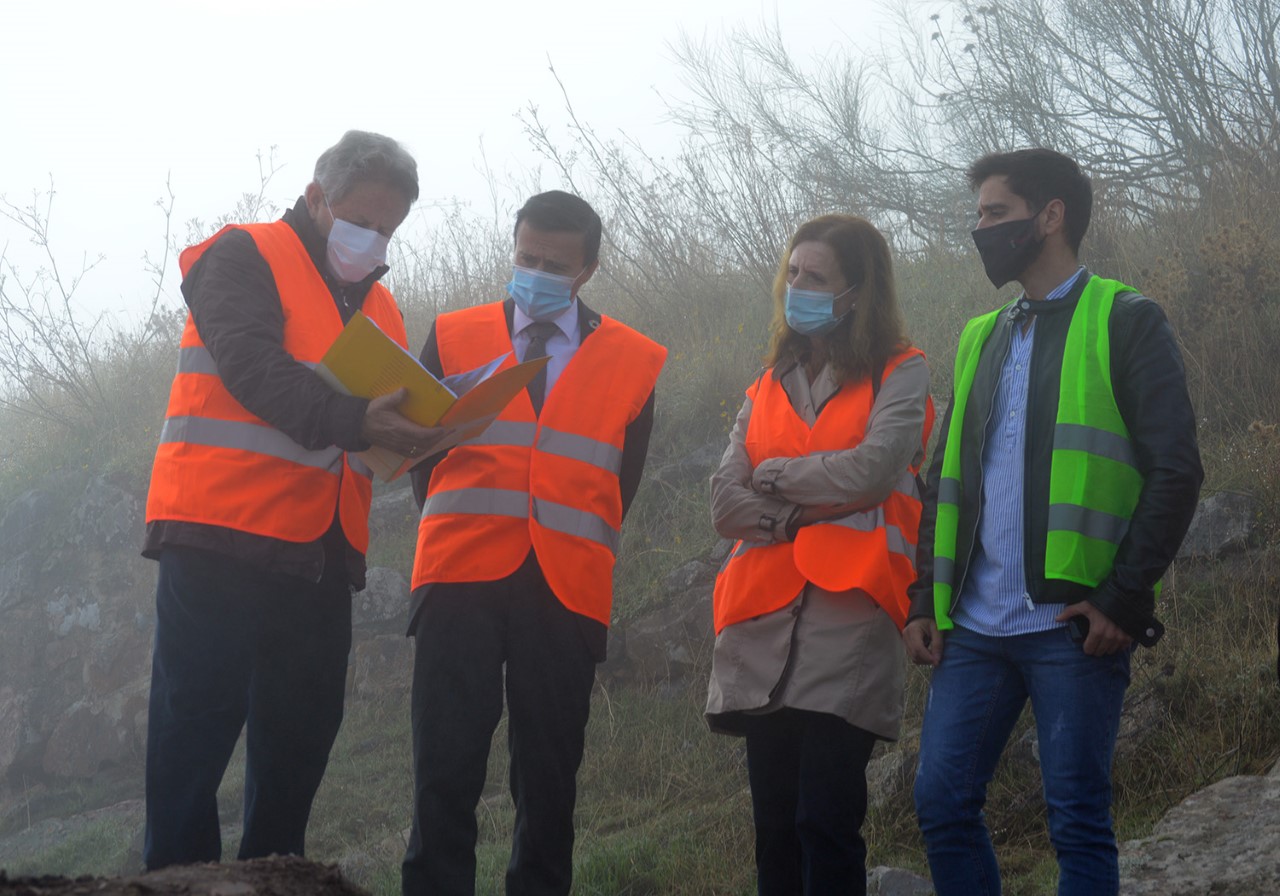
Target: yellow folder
365, 361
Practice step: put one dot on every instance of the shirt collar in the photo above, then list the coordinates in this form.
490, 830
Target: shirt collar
566, 321
1065, 286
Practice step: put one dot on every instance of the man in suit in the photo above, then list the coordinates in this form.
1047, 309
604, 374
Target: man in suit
515, 553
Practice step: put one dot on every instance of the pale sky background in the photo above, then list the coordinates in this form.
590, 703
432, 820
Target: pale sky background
111, 99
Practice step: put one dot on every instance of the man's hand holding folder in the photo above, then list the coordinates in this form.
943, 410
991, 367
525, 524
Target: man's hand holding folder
365, 361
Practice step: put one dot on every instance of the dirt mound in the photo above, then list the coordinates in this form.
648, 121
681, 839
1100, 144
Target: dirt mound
274, 876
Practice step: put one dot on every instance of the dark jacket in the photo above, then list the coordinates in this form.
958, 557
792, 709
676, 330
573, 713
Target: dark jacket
635, 447
1149, 382
233, 298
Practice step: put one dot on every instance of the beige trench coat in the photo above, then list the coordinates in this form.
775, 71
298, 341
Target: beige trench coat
826, 652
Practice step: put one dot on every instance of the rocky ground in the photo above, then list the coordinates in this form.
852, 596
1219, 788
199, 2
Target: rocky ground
273, 876
1221, 841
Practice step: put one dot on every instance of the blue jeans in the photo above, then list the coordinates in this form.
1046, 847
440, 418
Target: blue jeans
976, 695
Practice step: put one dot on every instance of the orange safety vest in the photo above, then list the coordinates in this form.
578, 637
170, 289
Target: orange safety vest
547, 482
220, 465
872, 550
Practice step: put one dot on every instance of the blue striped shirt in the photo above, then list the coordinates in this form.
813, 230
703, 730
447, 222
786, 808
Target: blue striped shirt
994, 599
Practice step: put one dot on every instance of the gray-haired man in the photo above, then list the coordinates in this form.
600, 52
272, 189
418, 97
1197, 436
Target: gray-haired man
258, 514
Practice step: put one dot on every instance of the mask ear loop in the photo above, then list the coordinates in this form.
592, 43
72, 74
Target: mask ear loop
841, 319
1035, 218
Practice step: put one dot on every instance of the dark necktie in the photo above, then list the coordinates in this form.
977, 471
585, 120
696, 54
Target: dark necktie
539, 332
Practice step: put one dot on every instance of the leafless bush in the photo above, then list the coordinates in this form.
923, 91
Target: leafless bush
51, 353
1155, 98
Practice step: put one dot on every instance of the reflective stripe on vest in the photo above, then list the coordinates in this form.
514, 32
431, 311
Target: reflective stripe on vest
196, 359
219, 464
514, 433
588, 450
504, 502
580, 523
561, 444
252, 437
479, 501
547, 483
1094, 481
872, 551
870, 520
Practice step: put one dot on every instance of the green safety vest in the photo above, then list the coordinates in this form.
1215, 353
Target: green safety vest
1094, 481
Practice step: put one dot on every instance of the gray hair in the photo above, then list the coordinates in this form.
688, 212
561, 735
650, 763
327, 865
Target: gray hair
362, 157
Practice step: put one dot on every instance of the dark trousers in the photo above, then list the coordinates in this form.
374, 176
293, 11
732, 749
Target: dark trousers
235, 645
808, 799
474, 640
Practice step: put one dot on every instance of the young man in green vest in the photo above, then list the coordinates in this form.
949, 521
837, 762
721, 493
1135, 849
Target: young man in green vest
1064, 479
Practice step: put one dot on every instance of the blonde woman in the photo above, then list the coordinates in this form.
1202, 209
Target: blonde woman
818, 490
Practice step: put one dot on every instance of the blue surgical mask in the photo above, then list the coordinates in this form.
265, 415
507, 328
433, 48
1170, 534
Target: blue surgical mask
811, 312
541, 296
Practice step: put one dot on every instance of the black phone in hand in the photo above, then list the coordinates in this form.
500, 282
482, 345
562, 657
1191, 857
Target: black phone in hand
1078, 628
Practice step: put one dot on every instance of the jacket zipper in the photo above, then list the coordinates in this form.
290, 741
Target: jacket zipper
1026, 438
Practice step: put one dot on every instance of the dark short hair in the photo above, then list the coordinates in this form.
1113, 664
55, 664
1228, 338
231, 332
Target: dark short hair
365, 157
1039, 176
561, 212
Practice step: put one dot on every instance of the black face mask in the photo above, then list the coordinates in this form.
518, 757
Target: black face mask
1008, 249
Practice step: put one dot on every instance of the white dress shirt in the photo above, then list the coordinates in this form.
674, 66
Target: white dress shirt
560, 346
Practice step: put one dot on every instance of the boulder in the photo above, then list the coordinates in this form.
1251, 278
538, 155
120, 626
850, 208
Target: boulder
18, 580
73, 608
1025, 751
97, 733
1223, 839
668, 644
686, 578
24, 522
383, 605
1145, 715
696, 466
107, 518
76, 644
883, 881
381, 665
890, 775
1224, 524
394, 513
13, 722
720, 552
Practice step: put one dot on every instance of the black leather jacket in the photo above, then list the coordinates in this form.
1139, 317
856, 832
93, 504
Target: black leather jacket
1149, 382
